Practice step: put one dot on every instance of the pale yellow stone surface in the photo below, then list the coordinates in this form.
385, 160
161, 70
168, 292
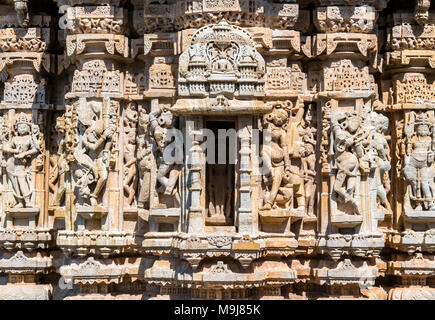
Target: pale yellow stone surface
91, 207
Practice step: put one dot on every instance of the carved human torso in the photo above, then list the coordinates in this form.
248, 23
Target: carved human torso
420, 148
93, 140
276, 150
144, 154
20, 144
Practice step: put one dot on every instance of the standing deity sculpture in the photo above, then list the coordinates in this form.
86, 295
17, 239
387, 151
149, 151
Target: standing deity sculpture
161, 123
381, 161
359, 149
92, 156
418, 167
59, 165
286, 162
309, 159
347, 138
276, 160
144, 159
53, 170
309, 127
130, 179
299, 133
309, 170
22, 145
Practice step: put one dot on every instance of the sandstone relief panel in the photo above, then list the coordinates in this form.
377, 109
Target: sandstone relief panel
217, 149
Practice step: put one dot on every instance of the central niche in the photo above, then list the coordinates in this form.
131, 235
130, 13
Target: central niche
220, 177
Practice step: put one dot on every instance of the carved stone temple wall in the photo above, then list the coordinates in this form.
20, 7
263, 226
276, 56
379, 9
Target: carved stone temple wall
107, 188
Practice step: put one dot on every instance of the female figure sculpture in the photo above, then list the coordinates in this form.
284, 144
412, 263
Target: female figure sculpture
162, 126
23, 145
144, 158
93, 157
418, 170
345, 134
276, 158
382, 164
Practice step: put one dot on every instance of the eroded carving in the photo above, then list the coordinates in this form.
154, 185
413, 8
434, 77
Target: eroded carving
418, 167
23, 144
161, 126
96, 127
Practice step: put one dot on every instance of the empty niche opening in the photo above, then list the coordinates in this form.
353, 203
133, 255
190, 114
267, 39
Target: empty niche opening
166, 227
220, 174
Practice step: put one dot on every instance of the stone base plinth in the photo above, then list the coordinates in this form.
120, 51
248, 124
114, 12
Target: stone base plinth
346, 220
218, 221
92, 212
25, 292
19, 213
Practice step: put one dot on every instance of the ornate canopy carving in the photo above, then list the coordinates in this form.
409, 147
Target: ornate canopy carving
221, 60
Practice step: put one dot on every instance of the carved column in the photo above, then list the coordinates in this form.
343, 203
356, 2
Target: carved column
408, 94
106, 151
195, 220
353, 195
98, 132
245, 210
24, 106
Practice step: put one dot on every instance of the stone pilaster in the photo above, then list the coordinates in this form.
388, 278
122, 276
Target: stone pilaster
24, 115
